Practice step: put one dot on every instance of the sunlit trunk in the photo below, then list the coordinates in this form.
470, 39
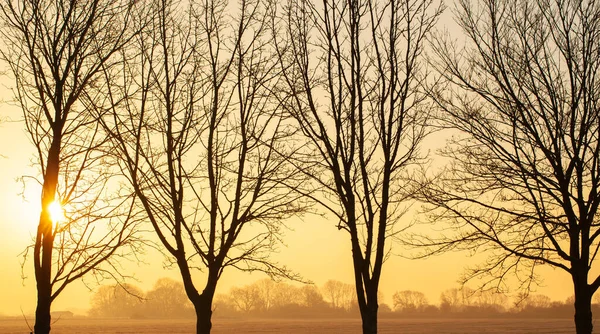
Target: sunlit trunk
44, 243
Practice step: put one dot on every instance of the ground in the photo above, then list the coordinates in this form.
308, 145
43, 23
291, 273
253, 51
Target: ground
318, 326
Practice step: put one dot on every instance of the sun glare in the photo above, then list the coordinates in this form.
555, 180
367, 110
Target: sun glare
57, 213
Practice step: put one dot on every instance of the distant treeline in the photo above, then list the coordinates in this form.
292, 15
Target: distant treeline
269, 299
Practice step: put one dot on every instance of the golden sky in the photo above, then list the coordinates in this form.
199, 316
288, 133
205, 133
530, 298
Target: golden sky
315, 247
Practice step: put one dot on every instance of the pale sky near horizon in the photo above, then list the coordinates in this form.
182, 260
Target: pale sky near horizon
315, 247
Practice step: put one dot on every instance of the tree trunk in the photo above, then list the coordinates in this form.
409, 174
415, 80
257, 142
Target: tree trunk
369, 319
203, 308
366, 288
42, 312
43, 270
583, 308
202, 301
44, 242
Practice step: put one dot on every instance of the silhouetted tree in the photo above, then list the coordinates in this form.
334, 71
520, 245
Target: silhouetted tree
117, 301
56, 50
523, 174
312, 297
266, 291
384, 308
284, 294
203, 143
490, 300
409, 301
246, 298
167, 299
224, 305
338, 294
352, 71
454, 299
532, 301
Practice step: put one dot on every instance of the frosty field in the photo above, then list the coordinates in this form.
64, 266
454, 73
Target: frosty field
318, 326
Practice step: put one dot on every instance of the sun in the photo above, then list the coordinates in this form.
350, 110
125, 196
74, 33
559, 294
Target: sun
57, 213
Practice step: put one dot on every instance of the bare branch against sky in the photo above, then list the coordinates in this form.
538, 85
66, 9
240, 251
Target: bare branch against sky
352, 73
203, 142
56, 51
523, 178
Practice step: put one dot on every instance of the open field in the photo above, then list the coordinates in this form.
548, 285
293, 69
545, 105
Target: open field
318, 326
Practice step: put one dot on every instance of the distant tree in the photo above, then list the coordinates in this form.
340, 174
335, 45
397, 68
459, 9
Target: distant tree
490, 300
384, 308
532, 301
286, 294
523, 173
224, 305
167, 299
246, 298
56, 51
338, 294
203, 142
311, 297
409, 301
266, 293
352, 72
117, 301
454, 299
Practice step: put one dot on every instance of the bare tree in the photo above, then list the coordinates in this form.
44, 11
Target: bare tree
167, 299
492, 300
273, 295
409, 301
532, 301
55, 50
352, 71
523, 174
117, 301
201, 141
311, 297
338, 294
286, 294
456, 299
266, 293
246, 298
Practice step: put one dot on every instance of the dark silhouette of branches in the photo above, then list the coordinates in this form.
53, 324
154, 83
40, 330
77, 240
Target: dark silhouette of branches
203, 143
352, 72
522, 182
55, 50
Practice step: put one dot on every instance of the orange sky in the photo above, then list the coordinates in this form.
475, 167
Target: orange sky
316, 249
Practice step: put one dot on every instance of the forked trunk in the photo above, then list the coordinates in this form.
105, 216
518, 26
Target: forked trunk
366, 291
202, 301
